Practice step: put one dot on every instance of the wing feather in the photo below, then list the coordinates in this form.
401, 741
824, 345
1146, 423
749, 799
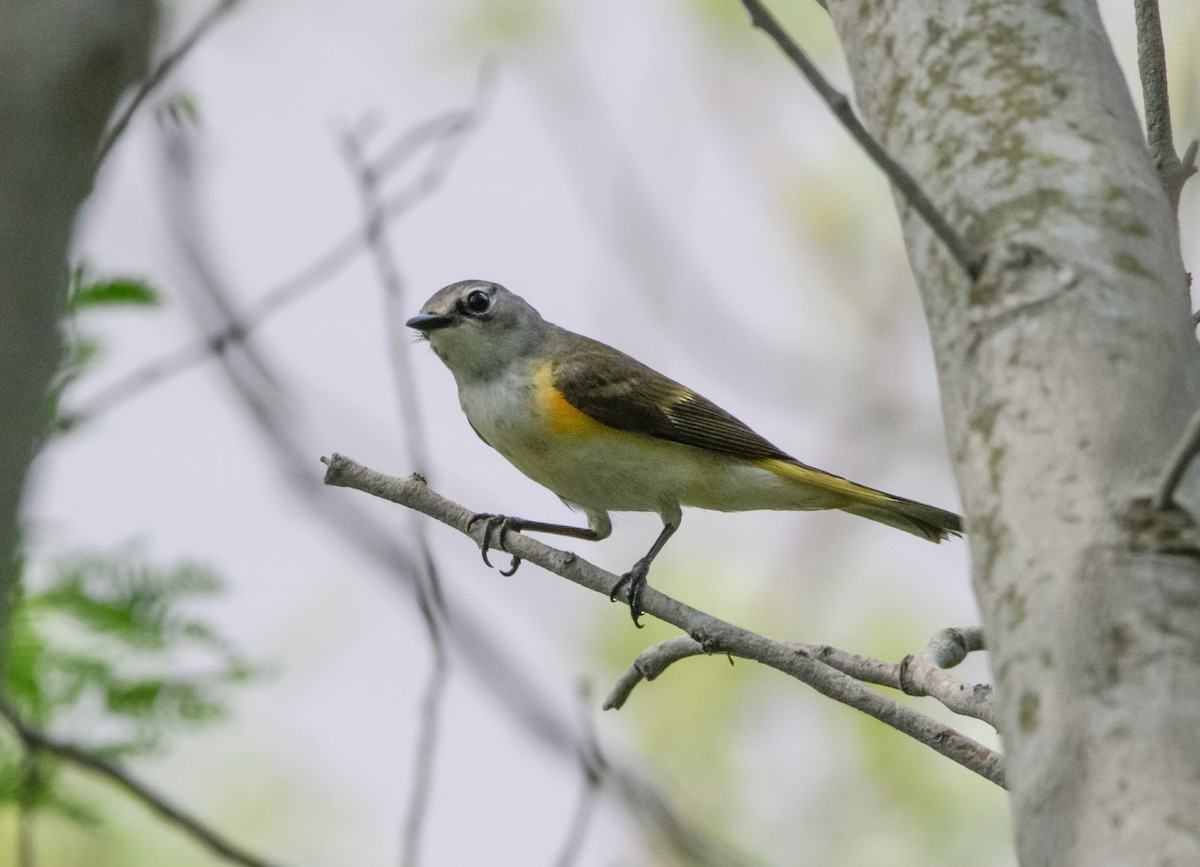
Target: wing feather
625, 394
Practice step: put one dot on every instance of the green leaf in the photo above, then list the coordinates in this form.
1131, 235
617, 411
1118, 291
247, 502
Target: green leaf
107, 652
127, 292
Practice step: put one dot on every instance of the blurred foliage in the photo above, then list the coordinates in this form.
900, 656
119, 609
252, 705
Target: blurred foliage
108, 647
178, 109
503, 26
85, 292
729, 22
103, 649
88, 294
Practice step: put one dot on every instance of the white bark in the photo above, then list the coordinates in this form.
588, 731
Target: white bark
1067, 373
62, 66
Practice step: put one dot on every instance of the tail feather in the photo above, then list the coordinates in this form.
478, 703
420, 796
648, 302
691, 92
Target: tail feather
928, 522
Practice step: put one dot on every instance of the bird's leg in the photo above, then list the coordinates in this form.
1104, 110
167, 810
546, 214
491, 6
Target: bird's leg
500, 525
636, 577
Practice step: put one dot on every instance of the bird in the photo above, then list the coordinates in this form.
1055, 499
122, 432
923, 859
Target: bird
607, 433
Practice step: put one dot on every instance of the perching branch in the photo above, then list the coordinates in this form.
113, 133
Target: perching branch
36, 741
715, 635
899, 176
159, 73
1152, 68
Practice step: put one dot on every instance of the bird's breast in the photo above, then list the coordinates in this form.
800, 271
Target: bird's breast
585, 462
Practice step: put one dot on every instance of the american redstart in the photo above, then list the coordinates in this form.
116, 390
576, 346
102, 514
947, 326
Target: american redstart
608, 434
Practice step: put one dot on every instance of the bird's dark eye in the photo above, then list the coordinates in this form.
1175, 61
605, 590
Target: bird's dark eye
477, 302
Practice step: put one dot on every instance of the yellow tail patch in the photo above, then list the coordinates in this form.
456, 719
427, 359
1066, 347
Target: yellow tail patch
928, 522
825, 481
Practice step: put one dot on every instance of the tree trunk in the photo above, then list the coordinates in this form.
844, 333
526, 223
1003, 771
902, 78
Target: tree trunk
62, 67
1067, 371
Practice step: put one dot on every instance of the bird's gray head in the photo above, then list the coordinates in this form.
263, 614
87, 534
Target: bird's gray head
479, 328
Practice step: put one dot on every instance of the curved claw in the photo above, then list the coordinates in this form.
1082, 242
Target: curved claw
500, 525
512, 567
636, 579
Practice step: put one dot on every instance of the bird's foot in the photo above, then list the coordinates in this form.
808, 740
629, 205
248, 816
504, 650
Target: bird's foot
635, 578
496, 526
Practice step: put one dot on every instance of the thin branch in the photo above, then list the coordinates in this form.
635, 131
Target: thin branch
922, 674
159, 73
650, 663
969, 259
593, 767
424, 753
305, 279
1177, 464
214, 842
1152, 68
925, 674
430, 599
712, 633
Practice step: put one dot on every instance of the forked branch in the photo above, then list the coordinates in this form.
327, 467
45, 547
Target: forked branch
711, 633
1152, 69
922, 674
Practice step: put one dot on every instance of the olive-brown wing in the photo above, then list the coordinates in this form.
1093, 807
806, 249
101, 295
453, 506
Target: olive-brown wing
625, 394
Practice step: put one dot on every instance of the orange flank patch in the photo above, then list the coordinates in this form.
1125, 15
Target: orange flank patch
561, 417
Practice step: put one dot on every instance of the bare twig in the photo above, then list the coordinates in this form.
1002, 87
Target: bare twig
969, 259
652, 662
925, 674
214, 842
430, 599
160, 72
452, 128
593, 767
1152, 68
712, 633
922, 674
949, 647
1181, 458
425, 751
